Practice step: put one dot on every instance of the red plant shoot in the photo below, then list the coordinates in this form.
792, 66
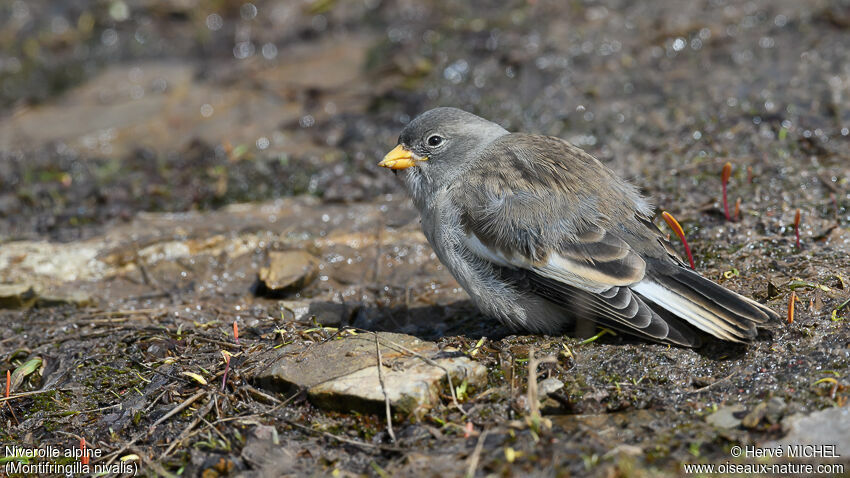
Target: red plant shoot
791, 301
8, 392
724, 179
236, 331
677, 229
797, 229
226, 369
84, 456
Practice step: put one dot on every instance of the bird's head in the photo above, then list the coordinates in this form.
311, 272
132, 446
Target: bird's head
439, 145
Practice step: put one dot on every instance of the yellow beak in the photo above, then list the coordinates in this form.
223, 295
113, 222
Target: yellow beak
400, 158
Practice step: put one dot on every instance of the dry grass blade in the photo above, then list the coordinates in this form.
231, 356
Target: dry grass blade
21, 372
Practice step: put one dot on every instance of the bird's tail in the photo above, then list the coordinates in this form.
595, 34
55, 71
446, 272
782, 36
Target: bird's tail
700, 302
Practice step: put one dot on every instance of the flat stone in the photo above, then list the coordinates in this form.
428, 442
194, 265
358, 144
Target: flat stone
826, 427
49, 261
16, 296
54, 298
288, 270
726, 417
303, 311
343, 374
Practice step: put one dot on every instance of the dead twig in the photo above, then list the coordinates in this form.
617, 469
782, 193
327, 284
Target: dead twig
260, 395
38, 392
76, 412
154, 402
183, 434
533, 398
177, 410
358, 443
140, 435
245, 417
212, 341
476, 455
384, 389
429, 362
118, 313
713, 383
827, 181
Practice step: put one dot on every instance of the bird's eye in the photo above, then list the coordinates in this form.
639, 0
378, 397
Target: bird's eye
435, 140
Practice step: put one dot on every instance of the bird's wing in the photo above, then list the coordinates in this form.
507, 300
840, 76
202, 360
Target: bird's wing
537, 201
572, 231
538, 218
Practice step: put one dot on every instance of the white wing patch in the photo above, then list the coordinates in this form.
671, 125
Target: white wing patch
575, 273
685, 309
557, 267
478, 248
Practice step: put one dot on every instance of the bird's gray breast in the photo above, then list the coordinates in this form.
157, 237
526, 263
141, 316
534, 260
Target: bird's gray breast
437, 222
442, 227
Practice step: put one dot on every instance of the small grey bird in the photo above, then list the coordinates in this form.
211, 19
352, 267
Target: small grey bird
544, 237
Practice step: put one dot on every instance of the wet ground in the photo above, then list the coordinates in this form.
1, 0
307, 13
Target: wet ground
153, 154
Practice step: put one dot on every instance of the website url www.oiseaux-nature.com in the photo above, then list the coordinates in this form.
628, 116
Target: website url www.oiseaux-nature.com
764, 468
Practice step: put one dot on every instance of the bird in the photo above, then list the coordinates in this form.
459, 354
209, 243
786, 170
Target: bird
544, 237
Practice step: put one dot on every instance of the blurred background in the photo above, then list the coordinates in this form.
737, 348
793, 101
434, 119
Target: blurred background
110, 107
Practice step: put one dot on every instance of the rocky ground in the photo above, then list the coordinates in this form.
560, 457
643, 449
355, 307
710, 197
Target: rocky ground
174, 172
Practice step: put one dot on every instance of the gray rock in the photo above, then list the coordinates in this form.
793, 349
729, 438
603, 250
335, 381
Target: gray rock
775, 409
288, 270
548, 386
343, 374
725, 417
826, 427
264, 451
16, 296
